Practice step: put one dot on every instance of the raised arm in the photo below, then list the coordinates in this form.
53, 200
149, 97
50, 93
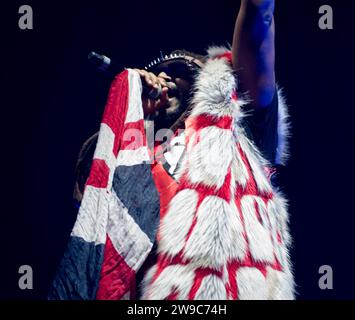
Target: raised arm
253, 50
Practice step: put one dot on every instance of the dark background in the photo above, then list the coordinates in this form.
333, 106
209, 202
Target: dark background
52, 100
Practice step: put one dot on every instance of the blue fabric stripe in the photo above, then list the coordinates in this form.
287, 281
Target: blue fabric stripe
78, 275
135, 187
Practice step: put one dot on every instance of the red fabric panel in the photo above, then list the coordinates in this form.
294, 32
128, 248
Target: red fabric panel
99, 174
116, 276
116, 107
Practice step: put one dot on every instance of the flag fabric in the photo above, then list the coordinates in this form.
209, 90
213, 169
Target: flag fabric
112, 237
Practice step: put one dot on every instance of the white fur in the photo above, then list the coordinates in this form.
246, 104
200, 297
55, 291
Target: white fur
272, 212
210, 159
217, 236
147, 280
239, 171
255, 161
212, 288
283, 130
239, 246
258, 234
214, 88
177, 222
263, 212
282, 252
282, 217
177, 277
276, 209
279, 284
251, 284
214, 51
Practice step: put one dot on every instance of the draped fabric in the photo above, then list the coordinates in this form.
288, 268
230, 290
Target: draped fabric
119, 213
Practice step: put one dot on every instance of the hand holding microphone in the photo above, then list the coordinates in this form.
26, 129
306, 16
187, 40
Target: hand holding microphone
157, 90
105, 64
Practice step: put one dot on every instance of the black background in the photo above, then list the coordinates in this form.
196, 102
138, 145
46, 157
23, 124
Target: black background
52, 100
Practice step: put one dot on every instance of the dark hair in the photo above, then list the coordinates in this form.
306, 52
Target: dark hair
83, 166
190, 53
176, 65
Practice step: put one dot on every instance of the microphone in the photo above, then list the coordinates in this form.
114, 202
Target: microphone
105, 64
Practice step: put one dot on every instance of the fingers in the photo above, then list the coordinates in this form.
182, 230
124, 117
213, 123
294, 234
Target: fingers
153, 82
149, 78
141, 72
162, 82
164, 76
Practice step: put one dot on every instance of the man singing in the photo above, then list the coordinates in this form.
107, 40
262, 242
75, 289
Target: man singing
214, 223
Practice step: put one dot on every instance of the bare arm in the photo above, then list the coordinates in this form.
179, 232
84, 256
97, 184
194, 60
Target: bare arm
253, 50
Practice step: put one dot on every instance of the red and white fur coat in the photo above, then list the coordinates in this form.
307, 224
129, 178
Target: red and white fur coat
225, 234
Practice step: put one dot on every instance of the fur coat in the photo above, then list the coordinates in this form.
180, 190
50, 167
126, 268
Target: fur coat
225, 234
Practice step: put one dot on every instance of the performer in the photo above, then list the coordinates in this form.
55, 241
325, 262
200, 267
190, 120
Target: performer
214, 226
